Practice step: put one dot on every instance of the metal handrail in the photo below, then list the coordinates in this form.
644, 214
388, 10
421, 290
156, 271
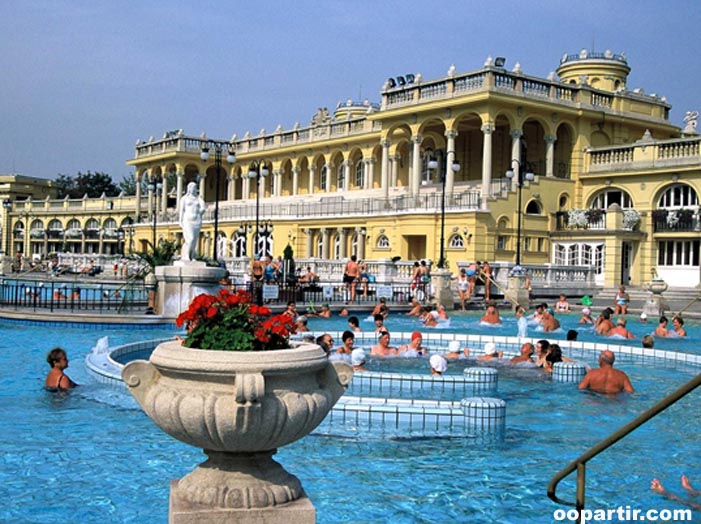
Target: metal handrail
579, 463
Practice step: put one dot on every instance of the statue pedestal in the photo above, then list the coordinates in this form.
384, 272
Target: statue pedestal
656, 305
180, 283
443, 293
516, 292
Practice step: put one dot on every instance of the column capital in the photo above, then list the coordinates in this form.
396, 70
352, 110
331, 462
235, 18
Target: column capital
516, 134
360, 230
550, 139
417, 139
451, 133
385, 143
487, 129
312, 168
296, 170
324, 231
341, 231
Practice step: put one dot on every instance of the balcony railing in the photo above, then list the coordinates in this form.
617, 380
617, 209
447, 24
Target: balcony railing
679, 224
562, 222
645, 154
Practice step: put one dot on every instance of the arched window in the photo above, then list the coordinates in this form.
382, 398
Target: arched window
320, 245
336, 247
382, 242
55, 225
678, 196
355, 239
322, 178
359, 179
341, 177
456, 241
612, 196
533, 208
240, 245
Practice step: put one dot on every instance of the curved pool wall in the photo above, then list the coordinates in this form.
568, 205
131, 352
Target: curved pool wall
404, 405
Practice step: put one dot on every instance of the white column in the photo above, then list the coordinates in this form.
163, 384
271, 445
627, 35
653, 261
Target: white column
415, 176
393, 163
487, 131
310, 243
325, 243
277, 183
366, 173
516, 135
384, 180
347, 175
371, 173
164, 198
178, 189
361, 242
201, 189
230, 187
550, 155
329, 176
312, 176
295, 180
246, 186
449, 159
137, 211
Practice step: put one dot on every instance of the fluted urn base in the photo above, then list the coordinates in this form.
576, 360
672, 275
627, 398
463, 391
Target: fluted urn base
238, 480
239, 487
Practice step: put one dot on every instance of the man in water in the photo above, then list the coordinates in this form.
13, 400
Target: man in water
605, 379
192, 207
525, 356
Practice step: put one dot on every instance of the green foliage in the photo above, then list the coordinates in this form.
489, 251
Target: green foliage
128, 185
92, 184
288, 252
204, 337
161, 255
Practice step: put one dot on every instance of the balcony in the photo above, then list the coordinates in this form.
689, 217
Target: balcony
675, 221
645, 154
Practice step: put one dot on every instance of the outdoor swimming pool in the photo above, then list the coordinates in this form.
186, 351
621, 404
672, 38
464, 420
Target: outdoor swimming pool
93, 456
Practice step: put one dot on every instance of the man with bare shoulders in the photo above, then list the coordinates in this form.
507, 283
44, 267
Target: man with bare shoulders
605, 379
350, 276
525, 356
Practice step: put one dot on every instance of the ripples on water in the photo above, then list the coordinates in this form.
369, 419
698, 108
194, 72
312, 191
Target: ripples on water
93, 456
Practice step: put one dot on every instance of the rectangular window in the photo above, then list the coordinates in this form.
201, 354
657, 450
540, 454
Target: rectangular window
501, 243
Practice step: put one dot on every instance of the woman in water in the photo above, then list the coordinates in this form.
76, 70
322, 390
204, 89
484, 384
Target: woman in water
57, 380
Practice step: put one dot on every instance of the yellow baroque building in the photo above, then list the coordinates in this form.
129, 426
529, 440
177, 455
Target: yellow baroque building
570, 170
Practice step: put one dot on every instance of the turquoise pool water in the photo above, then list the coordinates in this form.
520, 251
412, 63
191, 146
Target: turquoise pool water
94, 457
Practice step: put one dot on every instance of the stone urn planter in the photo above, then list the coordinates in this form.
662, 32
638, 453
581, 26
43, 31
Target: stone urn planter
239, 407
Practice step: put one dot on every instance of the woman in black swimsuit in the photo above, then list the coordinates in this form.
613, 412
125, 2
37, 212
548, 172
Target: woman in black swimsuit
57, 380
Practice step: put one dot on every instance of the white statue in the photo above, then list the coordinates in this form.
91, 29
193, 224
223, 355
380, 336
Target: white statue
690, 119
192, 207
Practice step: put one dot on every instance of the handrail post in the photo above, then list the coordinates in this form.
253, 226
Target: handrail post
581, 488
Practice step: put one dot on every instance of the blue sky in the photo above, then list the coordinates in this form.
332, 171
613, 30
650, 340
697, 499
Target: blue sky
82, 80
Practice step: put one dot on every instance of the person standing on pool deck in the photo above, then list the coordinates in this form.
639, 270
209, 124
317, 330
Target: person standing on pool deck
350, 275
605, 379
57, 380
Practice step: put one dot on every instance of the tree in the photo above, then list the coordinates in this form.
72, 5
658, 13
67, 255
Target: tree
128, 184
92, 184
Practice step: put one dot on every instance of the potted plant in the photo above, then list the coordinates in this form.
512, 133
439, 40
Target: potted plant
239, 389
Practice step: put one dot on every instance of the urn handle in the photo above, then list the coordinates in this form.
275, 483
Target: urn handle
140, 376
250, 387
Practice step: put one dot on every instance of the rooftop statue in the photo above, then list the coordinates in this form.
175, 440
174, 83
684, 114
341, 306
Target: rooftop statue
690, 119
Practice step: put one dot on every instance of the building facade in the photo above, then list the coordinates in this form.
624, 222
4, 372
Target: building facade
492, 164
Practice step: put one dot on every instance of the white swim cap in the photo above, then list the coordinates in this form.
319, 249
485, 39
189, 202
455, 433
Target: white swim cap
438, 363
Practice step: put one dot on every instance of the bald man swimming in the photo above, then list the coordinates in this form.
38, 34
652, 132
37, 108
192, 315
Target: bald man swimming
605, 379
